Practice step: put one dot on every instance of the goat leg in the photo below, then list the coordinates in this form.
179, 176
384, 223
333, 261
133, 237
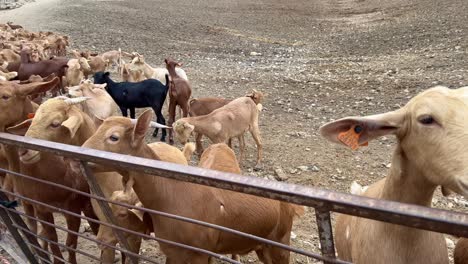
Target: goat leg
73, 224
50, 233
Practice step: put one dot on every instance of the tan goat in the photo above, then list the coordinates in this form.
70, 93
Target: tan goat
138, 63
56, 120
262, 217
100, 104
75, 128
16, 104
204, 106
431, 130
231, 120
76, 70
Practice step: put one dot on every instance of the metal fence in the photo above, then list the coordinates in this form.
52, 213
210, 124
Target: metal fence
323, 201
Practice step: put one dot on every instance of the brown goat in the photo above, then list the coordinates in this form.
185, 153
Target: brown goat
262, 217
16, 106
179, 94
41, 68
460, 255
57, 117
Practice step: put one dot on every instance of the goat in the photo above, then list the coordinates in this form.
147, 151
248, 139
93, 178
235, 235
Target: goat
460, 255
204, 106
100, 104
57, 120
263, 217
179, 94
76, 70
138, 63
231, 120
127, 95
428, 124
41, 68
96, 62
130, 219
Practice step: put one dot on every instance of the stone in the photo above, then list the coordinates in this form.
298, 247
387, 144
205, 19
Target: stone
280, 175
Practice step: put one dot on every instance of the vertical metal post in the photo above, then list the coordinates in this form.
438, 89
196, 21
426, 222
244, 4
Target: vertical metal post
16, 235
325, 233
105, 208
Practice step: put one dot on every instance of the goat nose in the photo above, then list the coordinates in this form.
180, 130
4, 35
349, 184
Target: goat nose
23, 152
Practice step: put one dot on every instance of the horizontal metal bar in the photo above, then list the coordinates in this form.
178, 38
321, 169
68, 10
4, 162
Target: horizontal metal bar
60, 210
387, 211
181, 218
44, 260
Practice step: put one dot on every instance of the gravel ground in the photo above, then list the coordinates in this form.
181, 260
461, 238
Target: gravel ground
316, 60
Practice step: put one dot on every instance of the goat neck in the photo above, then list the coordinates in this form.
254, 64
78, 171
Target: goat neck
172, 72
407, 184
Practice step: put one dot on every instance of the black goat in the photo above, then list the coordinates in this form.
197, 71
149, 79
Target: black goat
131, 95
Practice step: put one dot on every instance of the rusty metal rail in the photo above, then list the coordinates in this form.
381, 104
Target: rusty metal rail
322, 200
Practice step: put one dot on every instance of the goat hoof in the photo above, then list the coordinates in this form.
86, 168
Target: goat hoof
155, 134
163, 139
258, 167
171, 141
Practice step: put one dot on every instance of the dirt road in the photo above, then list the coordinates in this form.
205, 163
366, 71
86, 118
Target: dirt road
317, 61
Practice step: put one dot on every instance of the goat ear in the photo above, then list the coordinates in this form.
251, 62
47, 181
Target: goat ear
74, 121
362, 129
106, 74
21, 128
446, 191
98, 119
189, 126
141, 127
38, 87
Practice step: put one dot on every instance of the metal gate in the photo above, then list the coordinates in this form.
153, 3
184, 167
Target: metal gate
323, 201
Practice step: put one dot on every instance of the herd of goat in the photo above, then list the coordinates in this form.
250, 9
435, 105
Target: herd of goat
83, 113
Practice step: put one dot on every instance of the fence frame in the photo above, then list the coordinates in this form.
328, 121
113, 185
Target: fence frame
324, 201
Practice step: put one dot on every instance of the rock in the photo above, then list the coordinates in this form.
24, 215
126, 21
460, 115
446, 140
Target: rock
303, 168
293, 171
450, 243
280, 175
293, 235
253, 53
314, 168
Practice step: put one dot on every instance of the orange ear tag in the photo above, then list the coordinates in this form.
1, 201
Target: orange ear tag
31, 115
351, 137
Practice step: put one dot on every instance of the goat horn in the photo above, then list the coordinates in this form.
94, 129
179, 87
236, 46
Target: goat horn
74, 101
152, 124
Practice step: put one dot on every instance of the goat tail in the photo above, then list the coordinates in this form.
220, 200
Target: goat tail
119, 60
259, 107
189, 149
167, 82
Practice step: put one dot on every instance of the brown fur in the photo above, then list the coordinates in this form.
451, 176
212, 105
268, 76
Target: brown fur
460, 255
41, 68
262, 217
179, 94
72, 127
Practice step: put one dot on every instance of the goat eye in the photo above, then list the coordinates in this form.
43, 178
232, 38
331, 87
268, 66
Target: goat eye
114, 138
426, 120
55, 124
5, 97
